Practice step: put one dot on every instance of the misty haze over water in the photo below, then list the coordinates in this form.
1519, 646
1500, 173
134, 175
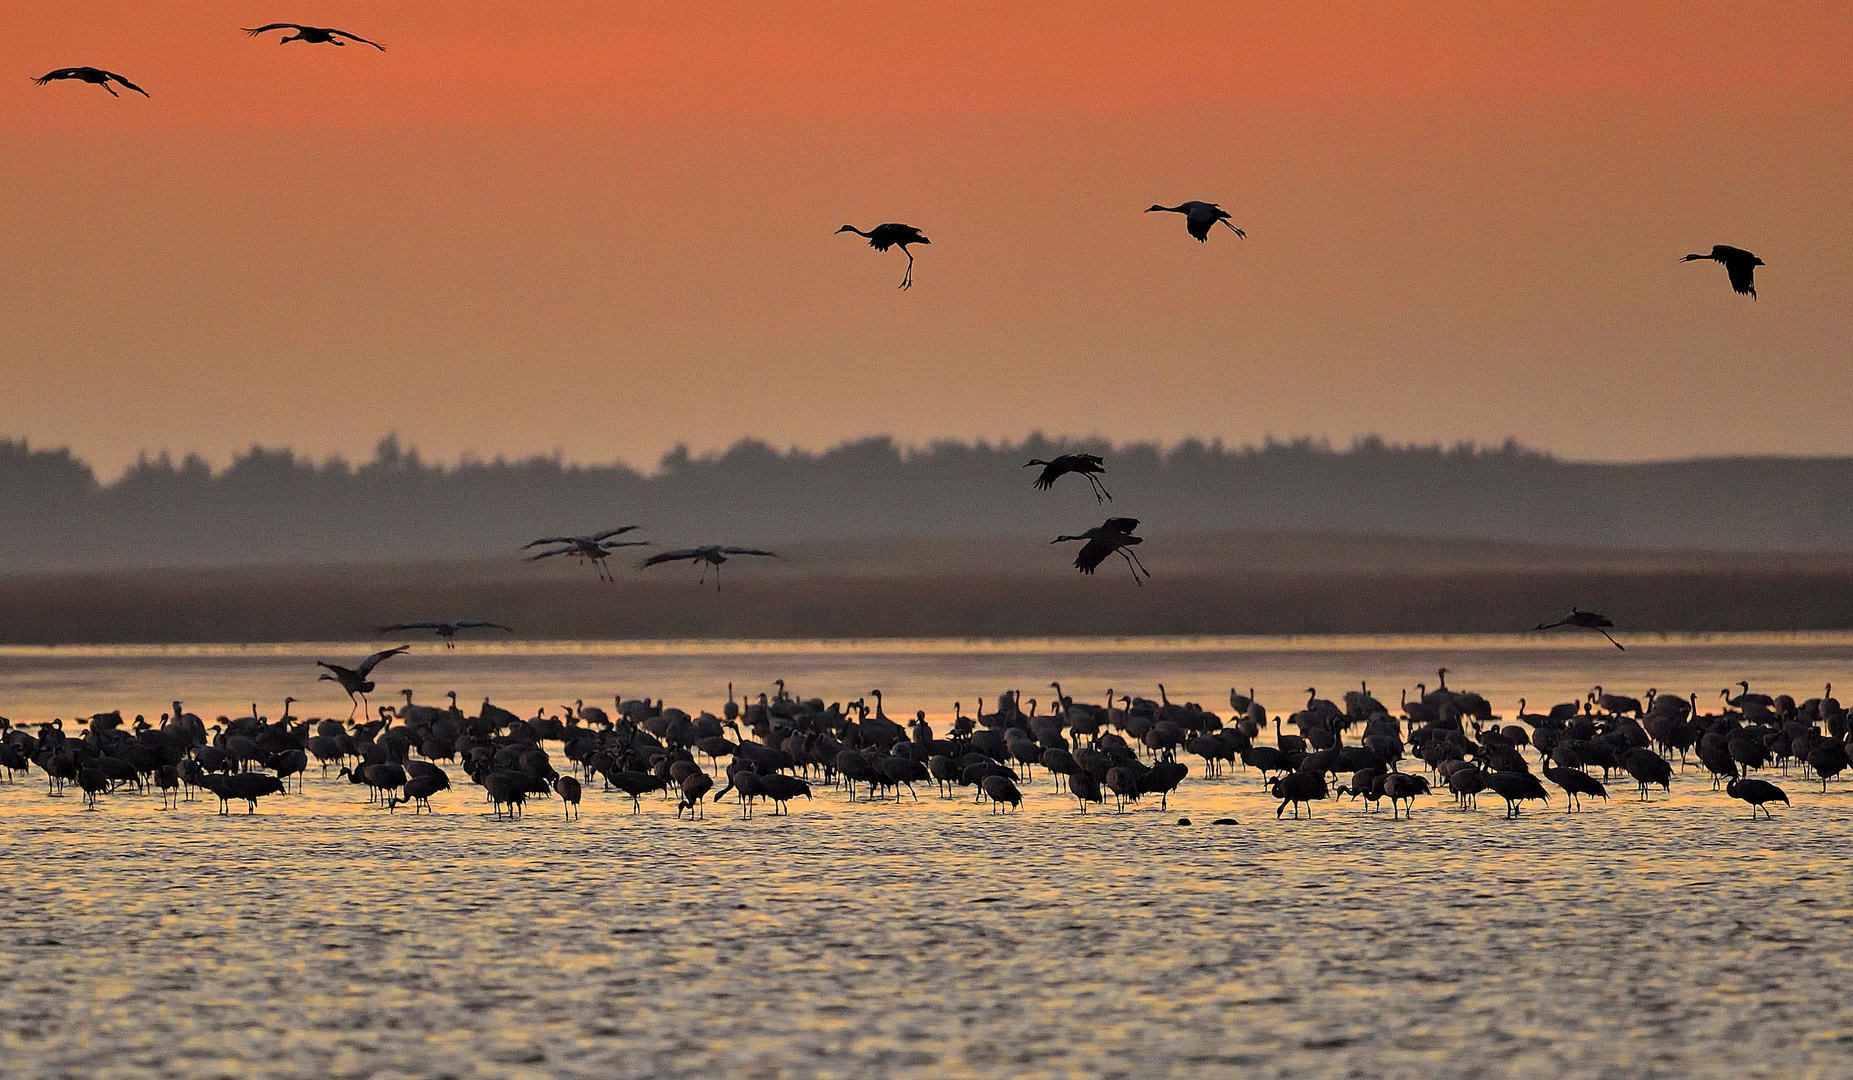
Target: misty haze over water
271, 506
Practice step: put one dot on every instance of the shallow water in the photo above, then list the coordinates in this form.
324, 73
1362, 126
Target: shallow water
322, 938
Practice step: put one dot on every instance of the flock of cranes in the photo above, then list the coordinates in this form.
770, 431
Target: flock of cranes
784, 747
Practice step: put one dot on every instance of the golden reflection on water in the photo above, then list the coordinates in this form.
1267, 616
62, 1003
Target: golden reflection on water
324, 937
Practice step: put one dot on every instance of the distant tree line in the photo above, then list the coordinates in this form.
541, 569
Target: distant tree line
270, 505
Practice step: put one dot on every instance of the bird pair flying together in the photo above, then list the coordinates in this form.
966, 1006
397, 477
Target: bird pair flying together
313, 35
596, 548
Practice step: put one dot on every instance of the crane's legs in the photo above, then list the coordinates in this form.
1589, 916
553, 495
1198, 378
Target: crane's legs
1099, 488
1124, 554
907, 280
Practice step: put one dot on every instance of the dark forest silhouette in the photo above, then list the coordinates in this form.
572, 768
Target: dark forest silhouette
273, 506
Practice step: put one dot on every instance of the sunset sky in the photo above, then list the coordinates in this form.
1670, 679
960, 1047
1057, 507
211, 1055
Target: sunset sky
607, 228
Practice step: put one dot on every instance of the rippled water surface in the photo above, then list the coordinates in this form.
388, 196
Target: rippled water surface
322, 938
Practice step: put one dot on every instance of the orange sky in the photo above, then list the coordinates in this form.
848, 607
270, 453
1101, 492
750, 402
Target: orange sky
519, 230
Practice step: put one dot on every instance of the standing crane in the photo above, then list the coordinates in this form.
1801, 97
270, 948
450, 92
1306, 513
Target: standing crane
884, 236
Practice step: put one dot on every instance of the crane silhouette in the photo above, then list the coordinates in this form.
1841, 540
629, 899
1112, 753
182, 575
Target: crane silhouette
887, 235
1114, 536
593, 549
90, 75
713, 555
1588, 620
354, 680
1738, 263
314, 35
1199, 217
447, 628
1087, 465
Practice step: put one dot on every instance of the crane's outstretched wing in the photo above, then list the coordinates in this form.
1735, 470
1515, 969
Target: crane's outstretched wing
336, 668
1121, 525
126, 84
357, 37
1743, 277
412, 626
272, 26
613, 545
1050, 472
548, 554
481, 624
613, 532
373, 661
61, 73
749, 551
548, 540
1095, 552
678, 555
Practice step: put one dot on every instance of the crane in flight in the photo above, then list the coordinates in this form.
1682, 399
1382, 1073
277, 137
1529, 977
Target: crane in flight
882, 237
1088, 465
1199, 217
90, 75
314, 35
1588, 620
1738, 263
593, 549
355, 680
713, 555
446, 628
1114, 536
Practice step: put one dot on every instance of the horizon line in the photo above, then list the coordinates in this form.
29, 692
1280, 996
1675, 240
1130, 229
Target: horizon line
388, 452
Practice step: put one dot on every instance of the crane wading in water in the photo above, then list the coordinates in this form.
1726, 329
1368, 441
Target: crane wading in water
882, 237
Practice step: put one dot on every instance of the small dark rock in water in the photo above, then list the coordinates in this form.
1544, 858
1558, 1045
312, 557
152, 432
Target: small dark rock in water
1183, 821
1223, 821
